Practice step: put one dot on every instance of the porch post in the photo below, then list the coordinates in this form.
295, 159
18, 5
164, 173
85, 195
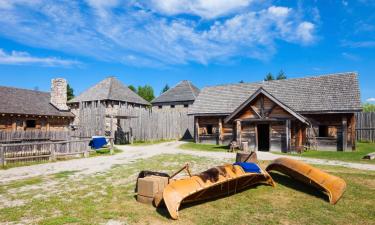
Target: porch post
220, 131
287, 135
238, 132
196, 130
344, 133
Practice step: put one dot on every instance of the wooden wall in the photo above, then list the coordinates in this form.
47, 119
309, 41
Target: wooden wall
45, 123
365, 129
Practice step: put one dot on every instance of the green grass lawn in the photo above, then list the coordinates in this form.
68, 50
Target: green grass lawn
153, 142
204, 147
356, 156
67, 198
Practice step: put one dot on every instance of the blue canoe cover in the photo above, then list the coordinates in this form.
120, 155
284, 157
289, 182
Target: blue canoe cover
249, 167
98, 142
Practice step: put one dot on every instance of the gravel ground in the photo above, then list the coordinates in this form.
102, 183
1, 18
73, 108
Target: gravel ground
132, 153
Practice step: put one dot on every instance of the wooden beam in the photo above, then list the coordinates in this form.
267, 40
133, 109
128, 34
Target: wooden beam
220, 131
196, 129
254, 109
287, 134
238, 132
344, 133
262, 106
268, 113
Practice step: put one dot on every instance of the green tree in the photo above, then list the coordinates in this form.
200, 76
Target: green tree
70, 92
131, 87
281, 75
269, 77
166, 88
146, 92
241, 82
368, 107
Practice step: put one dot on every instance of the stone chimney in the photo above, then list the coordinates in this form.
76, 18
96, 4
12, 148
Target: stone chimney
59, 96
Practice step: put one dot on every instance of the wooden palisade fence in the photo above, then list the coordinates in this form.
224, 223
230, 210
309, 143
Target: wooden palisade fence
38, 151
365, 130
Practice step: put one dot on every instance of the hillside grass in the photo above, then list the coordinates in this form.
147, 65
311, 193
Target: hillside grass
70, 198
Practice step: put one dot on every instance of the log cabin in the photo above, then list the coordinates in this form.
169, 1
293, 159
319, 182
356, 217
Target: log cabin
282, 115
22, 109
178, 98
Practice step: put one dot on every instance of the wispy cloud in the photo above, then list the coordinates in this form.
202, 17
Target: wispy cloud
358, 44
350, 56
24, 58
155, 32
370, 100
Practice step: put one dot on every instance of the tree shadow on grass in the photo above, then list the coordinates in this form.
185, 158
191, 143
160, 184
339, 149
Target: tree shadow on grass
298, 185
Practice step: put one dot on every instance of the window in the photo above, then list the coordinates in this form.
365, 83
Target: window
30, 123
323, 131
209, 129
186, 106
160, 106
172, 106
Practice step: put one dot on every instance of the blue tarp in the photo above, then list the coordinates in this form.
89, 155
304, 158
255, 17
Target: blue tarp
249, 167
98, 142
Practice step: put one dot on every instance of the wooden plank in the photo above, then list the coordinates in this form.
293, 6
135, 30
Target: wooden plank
369, 156
344, 131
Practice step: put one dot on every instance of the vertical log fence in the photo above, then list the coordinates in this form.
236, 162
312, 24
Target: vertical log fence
365, 130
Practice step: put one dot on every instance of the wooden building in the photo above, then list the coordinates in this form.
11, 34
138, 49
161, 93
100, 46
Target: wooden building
178, 98
95, 108
283, 115
22, 109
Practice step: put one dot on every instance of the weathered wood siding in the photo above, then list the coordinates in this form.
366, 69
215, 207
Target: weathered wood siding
45, 123
365, 129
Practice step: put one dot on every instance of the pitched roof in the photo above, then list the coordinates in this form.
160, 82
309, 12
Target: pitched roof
22, 101
333, 92
272, 98
183, 91
109, 89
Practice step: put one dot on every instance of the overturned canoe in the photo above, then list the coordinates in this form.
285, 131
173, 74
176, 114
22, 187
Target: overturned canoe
213, 183
331, 185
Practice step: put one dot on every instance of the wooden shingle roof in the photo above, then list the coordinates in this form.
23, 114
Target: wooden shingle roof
28, 102
109, 89
328, 93
182, 92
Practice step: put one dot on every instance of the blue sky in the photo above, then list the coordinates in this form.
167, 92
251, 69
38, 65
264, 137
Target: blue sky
160, 42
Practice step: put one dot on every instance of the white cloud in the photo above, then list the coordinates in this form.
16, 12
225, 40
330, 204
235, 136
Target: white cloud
203, 8
370, 100
358, 44
350, 56
132, 33
23, 58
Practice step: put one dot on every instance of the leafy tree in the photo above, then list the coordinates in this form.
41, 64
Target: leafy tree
241, 82
368, 107
146, 92
166, 88
281, 75
131, 87
70, 92
269, 77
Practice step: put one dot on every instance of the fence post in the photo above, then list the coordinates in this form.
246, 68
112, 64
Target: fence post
86, 152
2, 156
53, 153
111, 146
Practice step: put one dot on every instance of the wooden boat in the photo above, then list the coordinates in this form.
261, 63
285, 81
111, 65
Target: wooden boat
331, 185
213, 183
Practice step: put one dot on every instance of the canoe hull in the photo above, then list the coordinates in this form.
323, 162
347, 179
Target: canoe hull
196, 189
331, 185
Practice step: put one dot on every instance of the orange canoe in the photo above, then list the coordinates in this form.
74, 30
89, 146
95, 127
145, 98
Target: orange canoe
331, 185
213, 183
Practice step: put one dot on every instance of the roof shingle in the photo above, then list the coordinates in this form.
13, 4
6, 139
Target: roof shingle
28, 102
183, 91
109, 89
334, 92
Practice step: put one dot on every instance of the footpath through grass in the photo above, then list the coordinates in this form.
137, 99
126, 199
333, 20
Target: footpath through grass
204, 147
153, 142
355, 156
70, 198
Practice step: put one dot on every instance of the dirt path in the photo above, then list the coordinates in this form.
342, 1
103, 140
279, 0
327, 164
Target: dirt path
132, 153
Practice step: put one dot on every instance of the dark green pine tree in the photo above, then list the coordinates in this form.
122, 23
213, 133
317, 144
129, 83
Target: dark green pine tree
269, 77
281, 75
70, 92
